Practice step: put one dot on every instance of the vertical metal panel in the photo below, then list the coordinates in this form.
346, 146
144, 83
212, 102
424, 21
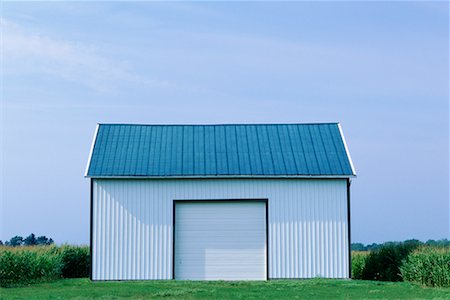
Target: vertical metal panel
132, 224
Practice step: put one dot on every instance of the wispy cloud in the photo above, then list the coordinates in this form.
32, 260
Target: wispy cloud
27, 52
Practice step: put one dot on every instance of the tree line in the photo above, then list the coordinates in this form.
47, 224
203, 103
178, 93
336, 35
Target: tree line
30, 240
375, 246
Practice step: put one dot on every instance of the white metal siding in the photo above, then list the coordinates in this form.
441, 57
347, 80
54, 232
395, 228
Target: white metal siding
220, 240
132, 224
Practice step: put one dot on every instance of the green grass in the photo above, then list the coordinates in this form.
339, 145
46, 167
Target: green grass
274, 289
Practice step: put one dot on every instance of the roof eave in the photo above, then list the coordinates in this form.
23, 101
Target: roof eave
91, 151
225, 177
346, 150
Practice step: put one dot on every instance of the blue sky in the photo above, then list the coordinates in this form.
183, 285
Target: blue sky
381, 69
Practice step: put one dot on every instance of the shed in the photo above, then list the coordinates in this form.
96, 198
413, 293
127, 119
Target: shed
219, 202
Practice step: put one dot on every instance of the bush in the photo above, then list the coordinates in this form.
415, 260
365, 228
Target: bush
358, 263
75, 262
384, 263
428, 266
30, 264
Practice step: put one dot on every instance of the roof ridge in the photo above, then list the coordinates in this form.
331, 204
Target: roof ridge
218, 124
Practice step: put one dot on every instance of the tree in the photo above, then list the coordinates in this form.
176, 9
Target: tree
30, 240
357, 247
16, 241
414, 243
372, 247
438, 243
43, 240
1, 243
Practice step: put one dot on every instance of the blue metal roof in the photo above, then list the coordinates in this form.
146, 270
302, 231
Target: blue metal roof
219, 150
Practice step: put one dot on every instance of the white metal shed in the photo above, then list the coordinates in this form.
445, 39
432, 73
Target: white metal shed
220, 202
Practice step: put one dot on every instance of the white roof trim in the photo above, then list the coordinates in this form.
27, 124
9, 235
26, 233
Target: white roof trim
90, 152
346, 150
229, 177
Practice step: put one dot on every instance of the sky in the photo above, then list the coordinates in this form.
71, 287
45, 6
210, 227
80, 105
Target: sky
381, 69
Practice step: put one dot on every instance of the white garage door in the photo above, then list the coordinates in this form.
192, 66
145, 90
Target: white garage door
220, 240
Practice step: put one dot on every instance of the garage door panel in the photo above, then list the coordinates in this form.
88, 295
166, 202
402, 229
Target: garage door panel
231, 227
218, 222
224, 236
200, 253
220, 240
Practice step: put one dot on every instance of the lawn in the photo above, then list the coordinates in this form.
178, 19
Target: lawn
274, 289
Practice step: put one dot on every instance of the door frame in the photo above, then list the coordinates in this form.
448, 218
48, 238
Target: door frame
264, 200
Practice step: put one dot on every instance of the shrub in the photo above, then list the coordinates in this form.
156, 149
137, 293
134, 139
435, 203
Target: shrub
358, 263
384, 263
75, 262
428, 266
